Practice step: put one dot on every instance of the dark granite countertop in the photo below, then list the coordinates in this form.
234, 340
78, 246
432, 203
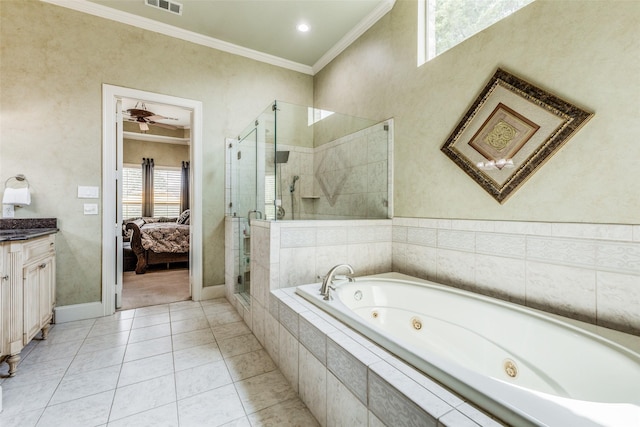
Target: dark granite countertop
26, 228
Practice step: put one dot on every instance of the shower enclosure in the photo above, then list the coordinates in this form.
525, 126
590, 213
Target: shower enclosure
300, 163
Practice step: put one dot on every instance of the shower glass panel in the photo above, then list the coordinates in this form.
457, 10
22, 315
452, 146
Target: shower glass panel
296, 162
330, 165
253, 189
245, 176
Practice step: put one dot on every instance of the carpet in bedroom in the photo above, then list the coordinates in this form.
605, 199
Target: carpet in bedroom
154, 287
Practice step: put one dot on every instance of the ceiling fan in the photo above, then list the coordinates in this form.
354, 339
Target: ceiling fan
144, 117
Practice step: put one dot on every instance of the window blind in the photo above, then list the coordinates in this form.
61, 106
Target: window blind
166, 190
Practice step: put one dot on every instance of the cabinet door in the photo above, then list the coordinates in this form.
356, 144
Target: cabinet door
31, 289
46, 280
4, 309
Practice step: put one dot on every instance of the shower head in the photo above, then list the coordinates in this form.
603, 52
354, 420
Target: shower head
282, 157
292, 187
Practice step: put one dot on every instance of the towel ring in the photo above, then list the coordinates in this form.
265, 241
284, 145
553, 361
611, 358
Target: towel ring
20, 178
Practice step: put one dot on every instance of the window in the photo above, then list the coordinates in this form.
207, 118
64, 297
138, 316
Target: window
314, 115
166, 191
131, 191
445, 23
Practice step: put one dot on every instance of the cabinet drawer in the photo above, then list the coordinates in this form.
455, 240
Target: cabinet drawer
37, 248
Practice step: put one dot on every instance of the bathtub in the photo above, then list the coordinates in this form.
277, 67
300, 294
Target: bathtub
521, 365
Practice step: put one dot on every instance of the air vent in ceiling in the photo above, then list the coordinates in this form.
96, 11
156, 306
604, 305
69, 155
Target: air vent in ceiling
169, 6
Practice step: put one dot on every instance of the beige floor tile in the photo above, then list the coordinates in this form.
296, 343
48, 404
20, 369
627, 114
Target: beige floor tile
21, 418
143, 396
189, 313
263, 391
152, 310
212, 408
202, 378
149, 332
230, 330
163, 416
97, 359
196, 356
188, 325
111, 327
87, 411
148, 348
291, 413
104, 342
150, 320
144, 369
239, 345
229, 315
250, 364
192, 339
85, 384
240, 422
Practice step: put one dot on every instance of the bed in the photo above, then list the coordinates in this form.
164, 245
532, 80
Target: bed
158, 241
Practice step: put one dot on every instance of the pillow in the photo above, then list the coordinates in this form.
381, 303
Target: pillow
184, 216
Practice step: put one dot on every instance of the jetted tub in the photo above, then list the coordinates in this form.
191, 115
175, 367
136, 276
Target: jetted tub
524, 366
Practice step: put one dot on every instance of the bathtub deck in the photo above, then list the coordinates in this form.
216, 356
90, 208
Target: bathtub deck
349, 378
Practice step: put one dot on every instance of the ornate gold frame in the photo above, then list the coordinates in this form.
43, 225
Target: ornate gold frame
509, 131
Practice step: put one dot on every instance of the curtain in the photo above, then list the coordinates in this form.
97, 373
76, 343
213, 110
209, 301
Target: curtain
147, 187
184, 187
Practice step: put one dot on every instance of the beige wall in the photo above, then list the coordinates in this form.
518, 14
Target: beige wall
161, 153
585, 52
53, 64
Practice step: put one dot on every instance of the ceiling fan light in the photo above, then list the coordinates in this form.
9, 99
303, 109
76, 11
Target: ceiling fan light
143, 126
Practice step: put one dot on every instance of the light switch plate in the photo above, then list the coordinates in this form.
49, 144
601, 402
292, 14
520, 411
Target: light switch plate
86, 192
90, 209
8, 211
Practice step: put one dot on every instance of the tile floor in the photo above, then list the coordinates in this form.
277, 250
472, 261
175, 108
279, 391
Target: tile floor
182, 364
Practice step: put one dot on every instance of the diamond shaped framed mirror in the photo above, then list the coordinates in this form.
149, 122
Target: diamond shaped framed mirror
509, 132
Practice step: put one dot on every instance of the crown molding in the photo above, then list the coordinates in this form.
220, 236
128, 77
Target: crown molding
353, 35
179, 33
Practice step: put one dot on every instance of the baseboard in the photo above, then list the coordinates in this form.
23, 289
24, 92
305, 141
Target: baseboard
70, 313
212, 292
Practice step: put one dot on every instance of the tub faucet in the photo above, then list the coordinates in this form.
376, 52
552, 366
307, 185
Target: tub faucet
328, 281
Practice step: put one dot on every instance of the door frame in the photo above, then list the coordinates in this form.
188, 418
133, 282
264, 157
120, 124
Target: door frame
112, 172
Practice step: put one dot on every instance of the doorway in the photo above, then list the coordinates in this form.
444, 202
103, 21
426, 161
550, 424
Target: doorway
155, 196
116, 102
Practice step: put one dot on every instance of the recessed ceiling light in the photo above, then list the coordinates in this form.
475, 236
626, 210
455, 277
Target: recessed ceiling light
303, 28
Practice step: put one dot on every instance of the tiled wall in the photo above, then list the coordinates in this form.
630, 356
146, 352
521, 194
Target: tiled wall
586, 271
352, 175
590, 272
300, 163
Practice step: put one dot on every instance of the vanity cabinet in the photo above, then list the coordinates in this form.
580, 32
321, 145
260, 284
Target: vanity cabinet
27, 294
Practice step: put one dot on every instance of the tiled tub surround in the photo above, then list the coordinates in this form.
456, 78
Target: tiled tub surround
345, 379
288, 253
589, 272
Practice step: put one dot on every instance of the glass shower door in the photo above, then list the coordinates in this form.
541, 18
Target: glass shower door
246, 186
